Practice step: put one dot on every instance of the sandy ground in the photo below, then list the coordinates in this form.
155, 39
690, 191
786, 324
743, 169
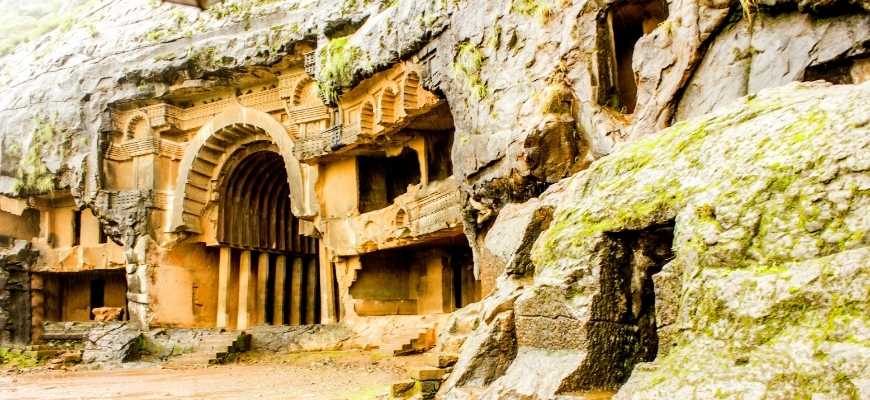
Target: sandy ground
322, 376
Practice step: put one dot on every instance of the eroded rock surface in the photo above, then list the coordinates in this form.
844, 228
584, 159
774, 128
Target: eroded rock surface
718, 251
112, 343
299, 338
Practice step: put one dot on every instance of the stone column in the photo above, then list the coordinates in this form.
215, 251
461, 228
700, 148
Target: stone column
224, 266
223, 286
280, 271
296, 292
311, 291
262, 279
37, 309
327, 290
244, 281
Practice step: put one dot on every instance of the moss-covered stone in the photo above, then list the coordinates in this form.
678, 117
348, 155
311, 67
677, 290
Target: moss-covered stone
769, 199
337, 63
33, 176
467, 66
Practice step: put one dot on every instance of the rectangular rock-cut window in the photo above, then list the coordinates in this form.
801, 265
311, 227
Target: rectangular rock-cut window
103, 238
98, 295
438, 156
77, 228
382, 179
625, 24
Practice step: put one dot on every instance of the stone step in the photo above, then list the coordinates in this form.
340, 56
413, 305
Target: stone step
42, 354
428, 373
213, 349
441, 360
407, 341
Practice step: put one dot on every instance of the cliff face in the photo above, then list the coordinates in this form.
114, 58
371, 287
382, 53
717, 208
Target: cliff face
708, 237
725, 256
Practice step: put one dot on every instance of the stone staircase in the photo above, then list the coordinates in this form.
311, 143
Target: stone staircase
425, 380
42, 352
216, 348
408, 341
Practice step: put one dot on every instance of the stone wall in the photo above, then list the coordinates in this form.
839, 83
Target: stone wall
15, 289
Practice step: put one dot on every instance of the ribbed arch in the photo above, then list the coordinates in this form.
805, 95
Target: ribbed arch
255, 210
206, 154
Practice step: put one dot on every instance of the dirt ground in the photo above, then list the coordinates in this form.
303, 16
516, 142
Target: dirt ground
346, 375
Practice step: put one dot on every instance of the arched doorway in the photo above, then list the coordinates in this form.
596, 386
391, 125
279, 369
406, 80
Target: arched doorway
268, 269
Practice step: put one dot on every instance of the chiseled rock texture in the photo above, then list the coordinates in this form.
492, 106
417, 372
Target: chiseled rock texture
15, 262
112, 343
725, 257
300, 338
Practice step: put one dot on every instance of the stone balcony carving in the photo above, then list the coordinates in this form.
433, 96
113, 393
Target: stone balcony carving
310, 63
425, 213
325, 142
166, 116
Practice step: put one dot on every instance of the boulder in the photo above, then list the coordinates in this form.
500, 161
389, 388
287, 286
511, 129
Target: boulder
112, 343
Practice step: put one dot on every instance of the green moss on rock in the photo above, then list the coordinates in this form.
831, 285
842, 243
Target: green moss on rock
467, 66
769, 198
337, 63
32, 175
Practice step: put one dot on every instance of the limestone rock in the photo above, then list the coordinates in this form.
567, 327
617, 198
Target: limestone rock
799, 330
299, 337
762, 225
112, 343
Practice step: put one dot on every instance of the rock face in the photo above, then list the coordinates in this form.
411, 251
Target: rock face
716, 251
112, 343
726, 256
299, 337
15, 288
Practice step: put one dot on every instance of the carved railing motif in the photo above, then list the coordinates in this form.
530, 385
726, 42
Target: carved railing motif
310, 64
325, 142
434, 212
162, 114
144, 146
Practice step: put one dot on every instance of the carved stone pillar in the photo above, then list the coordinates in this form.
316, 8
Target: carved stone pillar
138, 302
37, 309
296, 292
311, 291
280, 271
327, 289
244, 282
223, 286
262, 280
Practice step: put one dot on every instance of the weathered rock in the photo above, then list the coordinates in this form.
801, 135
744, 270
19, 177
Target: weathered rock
112, 343
755, 220
160, 344
797, 330
488, 350
767, 52
300, 337
106, 314
15, 265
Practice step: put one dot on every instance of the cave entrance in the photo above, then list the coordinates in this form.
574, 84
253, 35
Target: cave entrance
268, 262
626, 24
623, 325
383, 178
74, 296
642, 254
433, 278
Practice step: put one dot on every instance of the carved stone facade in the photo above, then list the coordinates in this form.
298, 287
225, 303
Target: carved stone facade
256, 203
